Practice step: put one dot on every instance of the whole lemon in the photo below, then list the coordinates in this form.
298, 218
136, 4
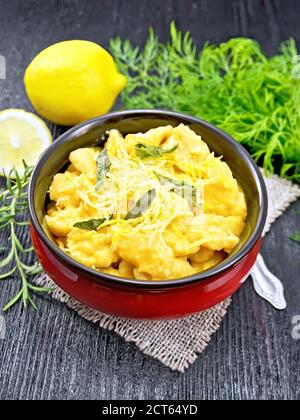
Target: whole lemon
73, 81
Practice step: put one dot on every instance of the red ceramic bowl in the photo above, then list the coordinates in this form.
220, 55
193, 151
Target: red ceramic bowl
147, 299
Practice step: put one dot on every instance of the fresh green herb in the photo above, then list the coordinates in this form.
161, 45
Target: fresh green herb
14, 205
296, 236
91, 224
232, 85
142, 205
182, 188
103, 167
100, 140
143, 151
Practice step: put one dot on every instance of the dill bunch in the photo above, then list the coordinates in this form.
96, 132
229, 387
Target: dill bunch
13, 222
232, 85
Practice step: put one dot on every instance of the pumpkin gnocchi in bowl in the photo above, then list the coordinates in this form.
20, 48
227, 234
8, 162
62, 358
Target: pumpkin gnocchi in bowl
157, 205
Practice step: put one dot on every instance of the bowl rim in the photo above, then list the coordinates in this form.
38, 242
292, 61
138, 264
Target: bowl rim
150, 284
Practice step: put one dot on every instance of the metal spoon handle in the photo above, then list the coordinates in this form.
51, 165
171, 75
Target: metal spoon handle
266, 285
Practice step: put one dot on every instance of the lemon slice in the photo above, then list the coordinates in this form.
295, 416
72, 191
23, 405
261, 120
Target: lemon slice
23, 137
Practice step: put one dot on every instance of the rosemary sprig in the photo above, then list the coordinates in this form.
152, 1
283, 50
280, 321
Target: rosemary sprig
13, 212
296, 236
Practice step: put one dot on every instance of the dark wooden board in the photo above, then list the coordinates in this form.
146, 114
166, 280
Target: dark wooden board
53, 353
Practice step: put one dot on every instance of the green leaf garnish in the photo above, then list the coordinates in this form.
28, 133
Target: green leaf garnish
142, 205
233, 85
103, 167
296, 237
144, 151
91, 224
182, 188
13, 214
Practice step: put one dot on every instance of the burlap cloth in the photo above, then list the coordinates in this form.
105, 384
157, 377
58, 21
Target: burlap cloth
177, 343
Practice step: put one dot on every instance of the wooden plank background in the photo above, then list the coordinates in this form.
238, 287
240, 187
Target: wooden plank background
52, 353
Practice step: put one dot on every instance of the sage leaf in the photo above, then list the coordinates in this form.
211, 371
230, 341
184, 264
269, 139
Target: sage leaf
92, 224
296, 237
143, 151
142, 205
103, 167
239, 70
